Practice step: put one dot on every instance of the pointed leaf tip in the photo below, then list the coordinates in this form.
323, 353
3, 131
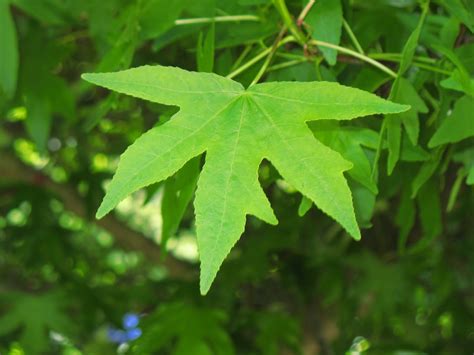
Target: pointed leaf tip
102, 211
205, 282
90, 77
85, 76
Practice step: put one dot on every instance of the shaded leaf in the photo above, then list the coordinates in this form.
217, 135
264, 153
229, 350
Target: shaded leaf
457, 126
394, 122
182, 329
8, 51
325, 21
36, 315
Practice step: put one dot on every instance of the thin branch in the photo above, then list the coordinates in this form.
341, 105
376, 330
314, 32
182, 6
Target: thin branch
14, 171
352, 36
356, 55
287, 64
288, 21
278, 42
305, 12
199, 20
257, 58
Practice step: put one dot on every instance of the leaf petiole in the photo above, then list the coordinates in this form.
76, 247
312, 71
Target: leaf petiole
352, 36
198, 20
355, 54
258, 57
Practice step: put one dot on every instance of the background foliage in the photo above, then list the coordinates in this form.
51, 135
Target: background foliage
71, 284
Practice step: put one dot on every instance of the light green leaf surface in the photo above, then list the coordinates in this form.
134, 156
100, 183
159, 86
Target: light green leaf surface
325, 21
458, 126
8, 51
237, 129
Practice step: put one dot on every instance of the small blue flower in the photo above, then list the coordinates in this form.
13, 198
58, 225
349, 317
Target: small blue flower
131, 331
133, 334
117, 336
130, 320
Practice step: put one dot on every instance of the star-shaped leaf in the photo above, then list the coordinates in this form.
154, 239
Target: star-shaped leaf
36, 315
237, 128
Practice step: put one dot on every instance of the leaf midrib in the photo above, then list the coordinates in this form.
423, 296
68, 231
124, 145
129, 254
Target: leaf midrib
152, 161
214, 247
282, 139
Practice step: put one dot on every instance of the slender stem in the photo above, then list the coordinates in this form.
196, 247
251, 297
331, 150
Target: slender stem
378, 152
247, 65
305, 12
258, 57
462, 173
356, 55
278, 42
289, 55
198, 20
352, 36
242, 56
420, 65
388, 56
287, 64
285, 15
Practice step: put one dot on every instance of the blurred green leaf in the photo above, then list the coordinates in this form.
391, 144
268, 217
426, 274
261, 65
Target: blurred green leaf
36, 316
181, 329
8, 51
325, 22
458, 125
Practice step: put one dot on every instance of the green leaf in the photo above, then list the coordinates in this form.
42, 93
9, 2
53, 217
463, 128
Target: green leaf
461, 74
394, 122
405, 94
36, 315
426, 171
458, 82
43, 92
325, 20
8, 51
364, 204
237, 129
405, 218
157, 16
178, 192
351, 143
460, 10
304, 206
45, 11
184, 329
205, 50
458, 126
466, 157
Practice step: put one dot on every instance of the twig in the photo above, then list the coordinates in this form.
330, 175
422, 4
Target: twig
198, 20
356, 55
276, 44
305, 12
352, 36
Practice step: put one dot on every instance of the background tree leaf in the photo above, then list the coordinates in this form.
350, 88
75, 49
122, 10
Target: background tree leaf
8, 51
